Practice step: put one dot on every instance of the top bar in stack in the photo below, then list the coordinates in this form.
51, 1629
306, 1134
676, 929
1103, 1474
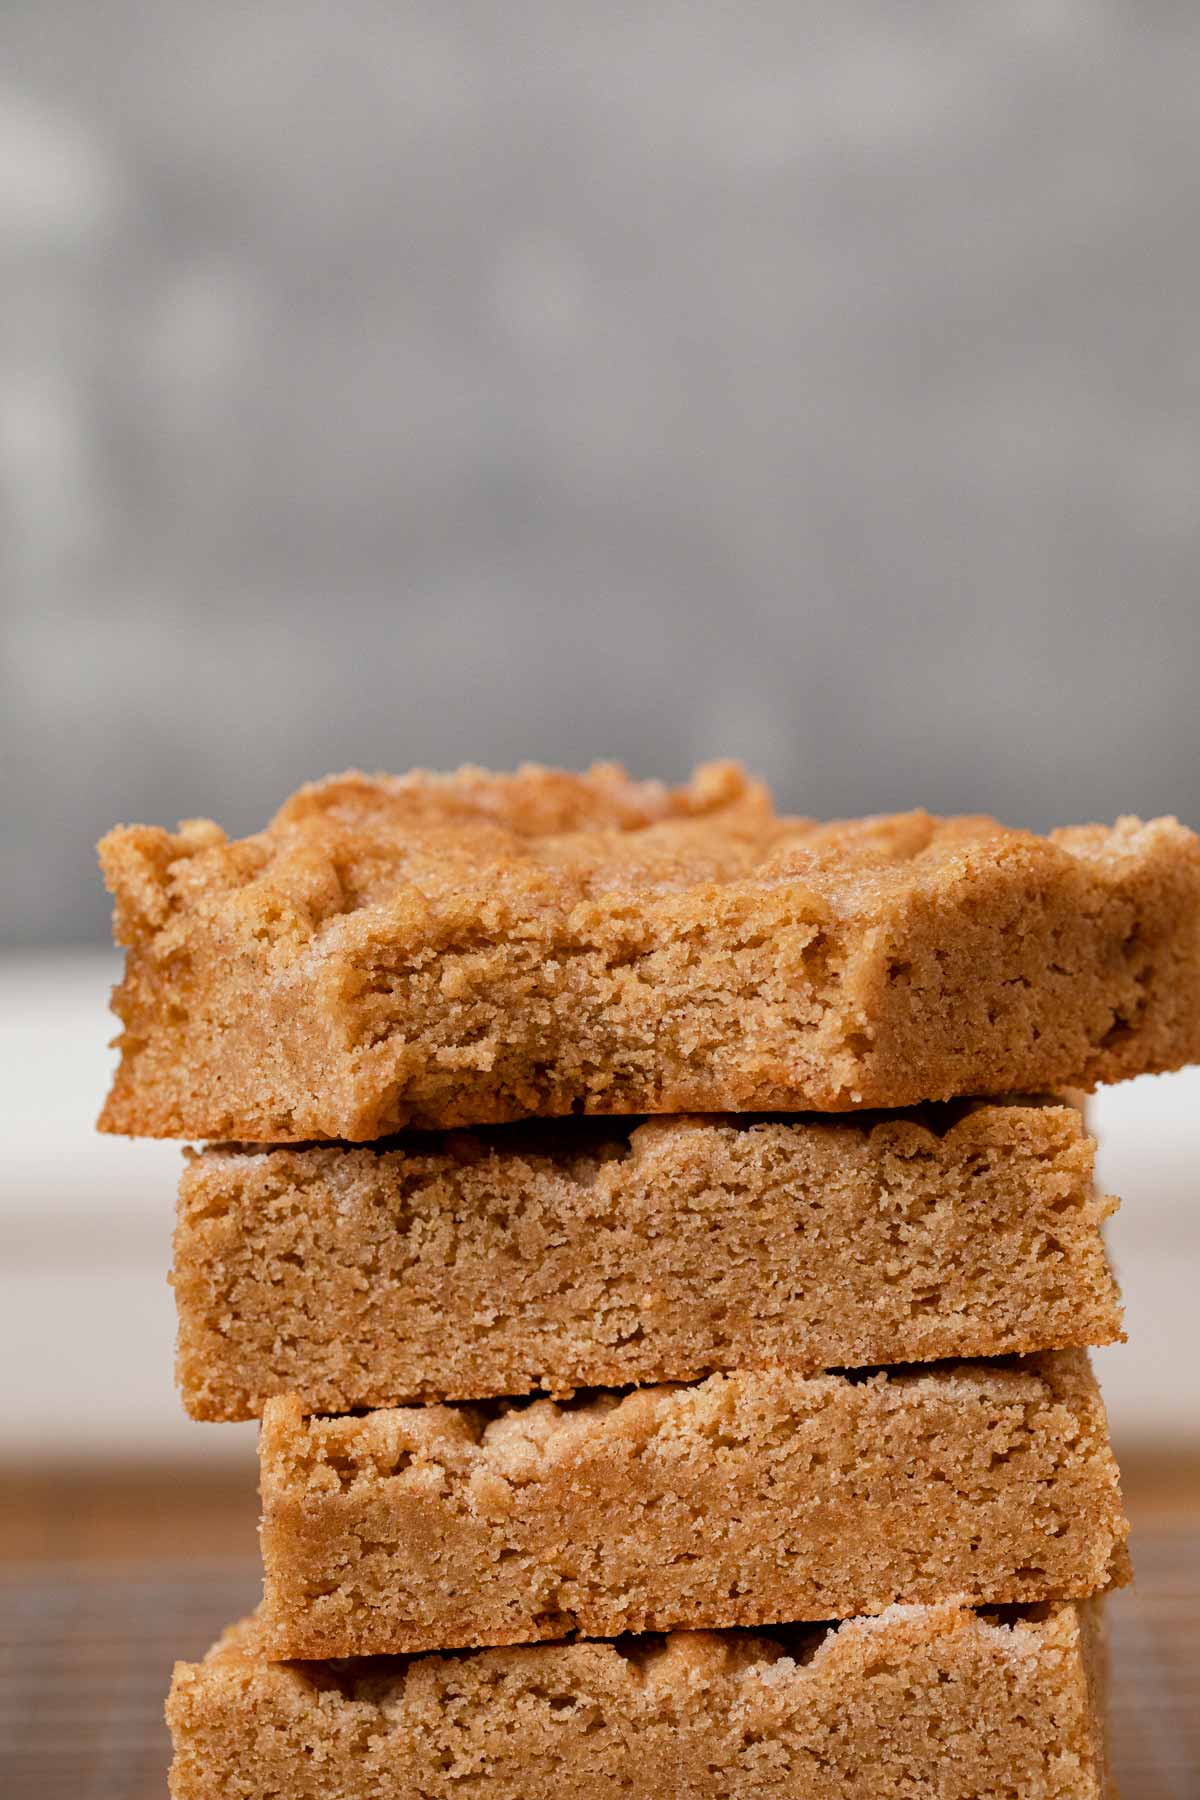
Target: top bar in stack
436, 951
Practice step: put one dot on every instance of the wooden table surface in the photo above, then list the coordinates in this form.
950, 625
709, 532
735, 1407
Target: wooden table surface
107, 1576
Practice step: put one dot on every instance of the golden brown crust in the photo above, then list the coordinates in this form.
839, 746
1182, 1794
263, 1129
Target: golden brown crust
468, 949
552, 1256
739, 1501
918, 1701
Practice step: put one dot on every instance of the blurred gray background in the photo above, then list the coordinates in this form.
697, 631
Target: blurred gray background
413, 384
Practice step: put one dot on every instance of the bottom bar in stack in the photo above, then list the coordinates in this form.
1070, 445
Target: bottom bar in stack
921, 1700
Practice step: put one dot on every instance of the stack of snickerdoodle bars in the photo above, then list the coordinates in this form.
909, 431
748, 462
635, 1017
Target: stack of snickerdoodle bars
659, 1239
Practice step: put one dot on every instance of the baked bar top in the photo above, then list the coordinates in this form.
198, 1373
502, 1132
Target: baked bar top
464, 949
553, 1255
741, 1500
917, 1701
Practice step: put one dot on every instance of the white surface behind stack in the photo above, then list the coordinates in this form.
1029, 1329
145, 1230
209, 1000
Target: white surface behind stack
85, 1236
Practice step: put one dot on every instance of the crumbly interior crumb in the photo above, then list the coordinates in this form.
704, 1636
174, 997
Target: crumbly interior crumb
549, 1258
742, 1500
969, 1706
431, 951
